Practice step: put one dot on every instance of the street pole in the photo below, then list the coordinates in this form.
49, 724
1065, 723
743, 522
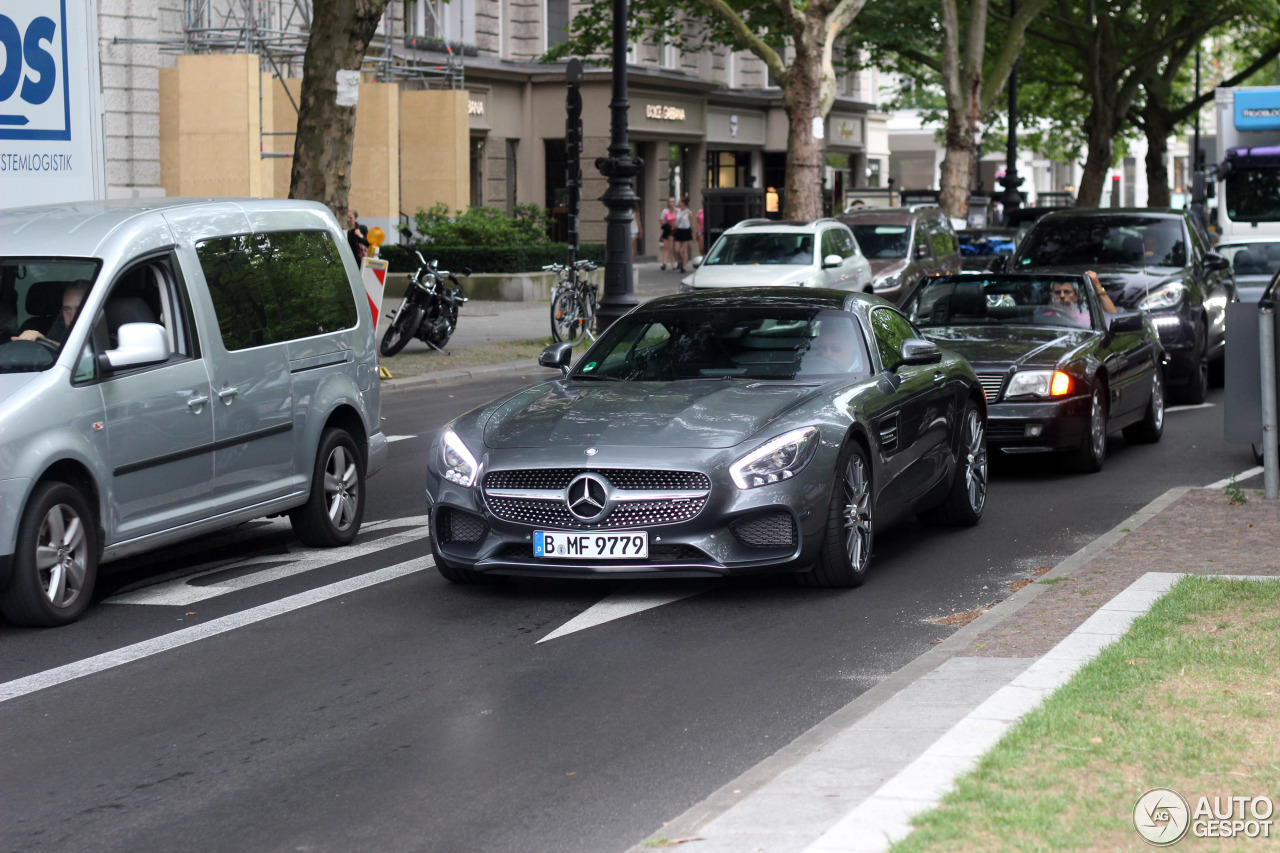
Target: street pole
1010, 198
620, 198
573, 150
1267, 354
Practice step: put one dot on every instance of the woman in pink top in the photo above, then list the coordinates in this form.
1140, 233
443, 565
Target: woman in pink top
668, 233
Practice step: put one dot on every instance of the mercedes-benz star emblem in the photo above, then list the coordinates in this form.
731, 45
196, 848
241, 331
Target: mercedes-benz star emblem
587, 497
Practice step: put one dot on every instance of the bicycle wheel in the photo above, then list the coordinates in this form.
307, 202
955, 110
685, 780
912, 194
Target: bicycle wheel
567, 321
402, 329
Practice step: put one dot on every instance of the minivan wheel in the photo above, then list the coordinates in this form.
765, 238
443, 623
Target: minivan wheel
56, 560
332, 514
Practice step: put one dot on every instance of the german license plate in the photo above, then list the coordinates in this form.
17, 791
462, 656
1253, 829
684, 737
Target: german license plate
566, 544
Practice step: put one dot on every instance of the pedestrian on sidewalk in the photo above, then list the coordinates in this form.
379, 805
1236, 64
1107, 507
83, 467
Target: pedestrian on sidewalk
684, 233
668, 233
636, 231
357, 236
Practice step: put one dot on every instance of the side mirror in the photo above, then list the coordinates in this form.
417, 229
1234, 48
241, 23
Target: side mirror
919, 351
138, 344
832, 261
696, 262
1213, 262
1128, 321
922, 251
557, 355
999, 263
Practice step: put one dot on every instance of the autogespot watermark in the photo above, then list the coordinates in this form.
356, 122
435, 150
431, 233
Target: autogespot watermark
1162, 817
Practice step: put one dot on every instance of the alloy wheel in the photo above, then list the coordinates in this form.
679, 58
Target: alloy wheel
975, 472
62, 554
341, 488
857, 514
1097, 425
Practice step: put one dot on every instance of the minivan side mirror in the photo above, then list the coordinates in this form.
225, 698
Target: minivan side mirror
922, 251
832, 261
557, 355
138, 344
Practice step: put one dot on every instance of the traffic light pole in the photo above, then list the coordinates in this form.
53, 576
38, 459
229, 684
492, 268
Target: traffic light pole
620, 198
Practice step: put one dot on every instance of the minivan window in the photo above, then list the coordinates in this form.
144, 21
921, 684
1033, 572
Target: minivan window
277, 286
882, 241
40, 300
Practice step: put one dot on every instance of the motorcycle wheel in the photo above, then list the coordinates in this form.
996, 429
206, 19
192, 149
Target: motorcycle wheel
402, 329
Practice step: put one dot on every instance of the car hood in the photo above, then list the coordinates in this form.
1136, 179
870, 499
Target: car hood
750, 275
11, 382
1001, 346
885, 267
1126, 285
698, 413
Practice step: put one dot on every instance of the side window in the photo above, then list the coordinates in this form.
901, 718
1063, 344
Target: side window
890, 329
1199, 239
846, 247
276, 286
922, 236
829, 244
147, 292
943, 237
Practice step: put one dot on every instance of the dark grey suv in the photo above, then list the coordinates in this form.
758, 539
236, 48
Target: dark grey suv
1156, 260
904, 245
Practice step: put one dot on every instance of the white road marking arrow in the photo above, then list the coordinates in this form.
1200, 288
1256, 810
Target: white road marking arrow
624, 603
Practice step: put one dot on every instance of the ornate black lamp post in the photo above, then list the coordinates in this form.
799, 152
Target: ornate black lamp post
1010, 197
620, 168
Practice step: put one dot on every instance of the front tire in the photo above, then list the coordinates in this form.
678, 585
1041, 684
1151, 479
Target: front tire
846, 545
332, 514
1093, 450
55, 563
1151, 427
967, 497
402, 329
1197, 387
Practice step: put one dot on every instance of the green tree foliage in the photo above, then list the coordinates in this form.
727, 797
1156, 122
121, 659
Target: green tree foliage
482, 226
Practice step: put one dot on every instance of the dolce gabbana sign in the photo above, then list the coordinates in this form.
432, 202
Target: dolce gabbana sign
664, 112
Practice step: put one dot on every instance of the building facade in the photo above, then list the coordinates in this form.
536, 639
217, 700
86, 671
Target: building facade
455, 107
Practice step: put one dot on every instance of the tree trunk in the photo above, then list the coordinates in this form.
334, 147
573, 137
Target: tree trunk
1100, 142
801, 98
1157, 133
340, 35
957, 165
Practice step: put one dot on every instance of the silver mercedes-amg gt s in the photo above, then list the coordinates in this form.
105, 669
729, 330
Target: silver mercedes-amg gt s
708, 434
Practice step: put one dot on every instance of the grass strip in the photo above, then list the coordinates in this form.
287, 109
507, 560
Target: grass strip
418, 363
1188, 699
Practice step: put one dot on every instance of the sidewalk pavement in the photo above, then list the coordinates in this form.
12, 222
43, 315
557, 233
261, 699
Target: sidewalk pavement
484, 324
852, 783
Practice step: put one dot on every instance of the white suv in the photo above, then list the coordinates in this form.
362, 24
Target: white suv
766, 253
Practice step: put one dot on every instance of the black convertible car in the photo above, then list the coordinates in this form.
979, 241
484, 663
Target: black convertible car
1058, 372
708, 434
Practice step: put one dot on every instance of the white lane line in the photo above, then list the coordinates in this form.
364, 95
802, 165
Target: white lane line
109, 660
1243, 475
392, 438
622, 604
181, 592
1187, 408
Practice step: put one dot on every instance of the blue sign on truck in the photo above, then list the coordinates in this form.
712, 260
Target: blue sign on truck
35, 97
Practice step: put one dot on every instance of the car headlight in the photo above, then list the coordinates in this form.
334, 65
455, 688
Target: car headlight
889, 282
1168, 296
1039, 383
776, 460
459, 465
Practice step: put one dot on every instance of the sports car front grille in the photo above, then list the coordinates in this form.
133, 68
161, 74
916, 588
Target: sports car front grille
766, 530
991, 385
621, 478
456, 526
688, 490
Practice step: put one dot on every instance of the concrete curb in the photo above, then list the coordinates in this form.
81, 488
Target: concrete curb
462, 374
687, 824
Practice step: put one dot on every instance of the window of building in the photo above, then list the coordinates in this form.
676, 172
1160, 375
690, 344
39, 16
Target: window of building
1130, 181
873, 173
1180, 180
477, 171
557, 22
275, 287
448, 20
728, 168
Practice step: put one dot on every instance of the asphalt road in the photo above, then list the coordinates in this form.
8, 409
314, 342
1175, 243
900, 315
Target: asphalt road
241, 693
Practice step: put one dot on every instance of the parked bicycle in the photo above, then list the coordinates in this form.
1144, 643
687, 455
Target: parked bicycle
429, 311
573, 302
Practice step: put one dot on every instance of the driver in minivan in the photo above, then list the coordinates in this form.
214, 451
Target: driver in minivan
60, 328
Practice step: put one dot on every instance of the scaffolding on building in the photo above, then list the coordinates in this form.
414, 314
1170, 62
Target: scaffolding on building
277, 31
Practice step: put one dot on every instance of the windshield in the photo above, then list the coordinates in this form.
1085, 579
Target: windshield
753, 342
882, 241
980, 300
762, 248
40, 302
1251, 260
1253, 195
1105, 241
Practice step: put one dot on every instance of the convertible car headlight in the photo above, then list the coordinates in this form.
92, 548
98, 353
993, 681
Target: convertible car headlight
459, 465
1039, 383
1168, 296
776, 460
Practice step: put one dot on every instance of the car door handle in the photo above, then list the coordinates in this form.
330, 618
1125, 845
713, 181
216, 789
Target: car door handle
197, 403
227, 394
939, 377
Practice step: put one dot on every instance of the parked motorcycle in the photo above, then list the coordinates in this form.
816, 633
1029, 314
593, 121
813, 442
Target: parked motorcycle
429, 311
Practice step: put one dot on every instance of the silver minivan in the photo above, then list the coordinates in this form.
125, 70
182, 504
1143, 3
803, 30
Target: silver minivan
169, 367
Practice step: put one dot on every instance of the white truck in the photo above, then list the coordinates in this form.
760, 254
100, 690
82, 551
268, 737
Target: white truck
51, 143
1248, 173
